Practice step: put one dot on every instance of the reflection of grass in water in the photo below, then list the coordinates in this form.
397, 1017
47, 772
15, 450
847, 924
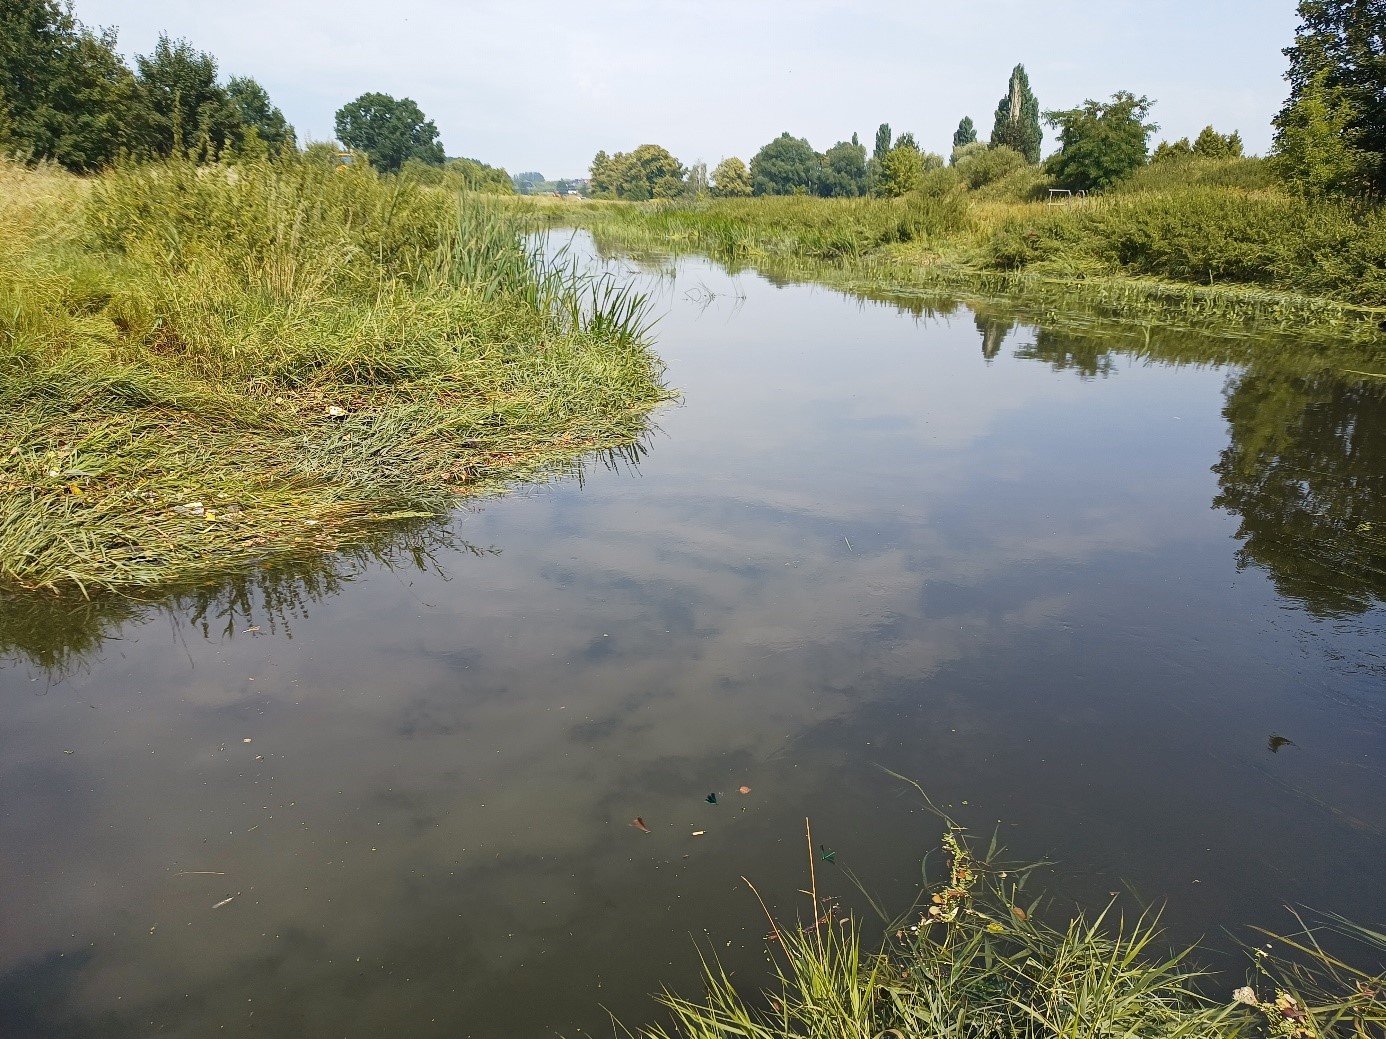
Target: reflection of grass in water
61, 634
973, 959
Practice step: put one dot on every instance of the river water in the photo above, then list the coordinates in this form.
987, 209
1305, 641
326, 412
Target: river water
1082, 596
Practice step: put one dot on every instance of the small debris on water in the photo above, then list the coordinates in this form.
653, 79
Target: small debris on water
745, 789
1276, 742
698, 833
639, 824
224, 901
247, 740
711, 798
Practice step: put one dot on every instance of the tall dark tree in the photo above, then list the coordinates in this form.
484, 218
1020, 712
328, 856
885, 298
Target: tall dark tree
65, 94
389, 131
786, 166
966, 132
883, 139
1339, 53
844, 170
186, 108
1018, 118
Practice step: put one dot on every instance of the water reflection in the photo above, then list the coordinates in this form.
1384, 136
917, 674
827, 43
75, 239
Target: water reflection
852, 544
1305, 471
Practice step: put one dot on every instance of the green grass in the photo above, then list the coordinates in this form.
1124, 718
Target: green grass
202, 369
1195, 244
975, 958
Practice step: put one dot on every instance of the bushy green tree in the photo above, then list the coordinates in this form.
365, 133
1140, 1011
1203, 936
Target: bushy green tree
1318, 143
980, 165
1017, 122
65, 94
731, 179
786, 166
252, 109
1339, 55
389, 131
966, 133
844, 170
1101, 142
901, 171
1213, 145
477, 176
647, 172
187, 110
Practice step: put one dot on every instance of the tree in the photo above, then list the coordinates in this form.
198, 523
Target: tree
1102, 142
966, 133
389, 131
883, 140
525, 183
1339, 54
1018, 118
979, 165
648, 172
786, 166
901, 171
844, 170
65, 94
1167, 151
731, 179
186, 108
696, 182
251, 106
1318, 143
1213, 145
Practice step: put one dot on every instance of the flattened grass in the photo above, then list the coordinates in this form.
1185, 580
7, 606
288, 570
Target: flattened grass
204, 368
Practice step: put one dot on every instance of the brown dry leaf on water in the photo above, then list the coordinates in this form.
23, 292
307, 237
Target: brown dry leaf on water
1019, 914
745, 790
639, 824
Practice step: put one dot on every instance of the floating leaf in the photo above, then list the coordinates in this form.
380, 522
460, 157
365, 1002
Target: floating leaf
1019, 914
1276, 742
745, 790
711, 798
826, 854
639, 824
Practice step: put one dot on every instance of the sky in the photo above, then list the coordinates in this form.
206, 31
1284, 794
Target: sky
542, 85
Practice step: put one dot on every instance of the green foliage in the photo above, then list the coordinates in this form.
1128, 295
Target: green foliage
647, 172
883, 139
965, 134
1338, 64
1318, 142
901, 171
389, 131
1102, 142
1177, 173
478, 176
65, 94
980, 166
1213, 145
786, 166
843, 171
174, 334
253, 110
187, 109
731, 179
1017, 123
1172, 151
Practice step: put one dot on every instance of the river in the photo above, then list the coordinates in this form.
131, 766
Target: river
1126, 613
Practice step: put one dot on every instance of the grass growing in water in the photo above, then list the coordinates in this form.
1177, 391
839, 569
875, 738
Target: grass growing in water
204, 368
974, 960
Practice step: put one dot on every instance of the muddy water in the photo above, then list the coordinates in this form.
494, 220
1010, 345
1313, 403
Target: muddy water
1071, 590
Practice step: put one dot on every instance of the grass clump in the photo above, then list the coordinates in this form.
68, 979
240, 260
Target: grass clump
973, 960
201, 368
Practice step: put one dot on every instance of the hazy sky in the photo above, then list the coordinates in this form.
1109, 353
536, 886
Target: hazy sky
540, 85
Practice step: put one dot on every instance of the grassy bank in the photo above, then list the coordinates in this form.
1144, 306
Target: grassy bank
976, 959
203, 369
1202, 242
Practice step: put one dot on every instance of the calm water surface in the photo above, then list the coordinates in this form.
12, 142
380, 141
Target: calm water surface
1071, 592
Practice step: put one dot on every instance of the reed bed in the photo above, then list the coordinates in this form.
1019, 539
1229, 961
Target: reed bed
205, 368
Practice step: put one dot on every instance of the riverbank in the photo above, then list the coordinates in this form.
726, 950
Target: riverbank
206, 369
1206, 244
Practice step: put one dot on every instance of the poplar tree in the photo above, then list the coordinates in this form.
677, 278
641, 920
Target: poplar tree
1018, 118
966, 132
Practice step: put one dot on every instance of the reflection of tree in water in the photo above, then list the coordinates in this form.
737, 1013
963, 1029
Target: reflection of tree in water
1306, 471
1088, 356
994, 332
61, 634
